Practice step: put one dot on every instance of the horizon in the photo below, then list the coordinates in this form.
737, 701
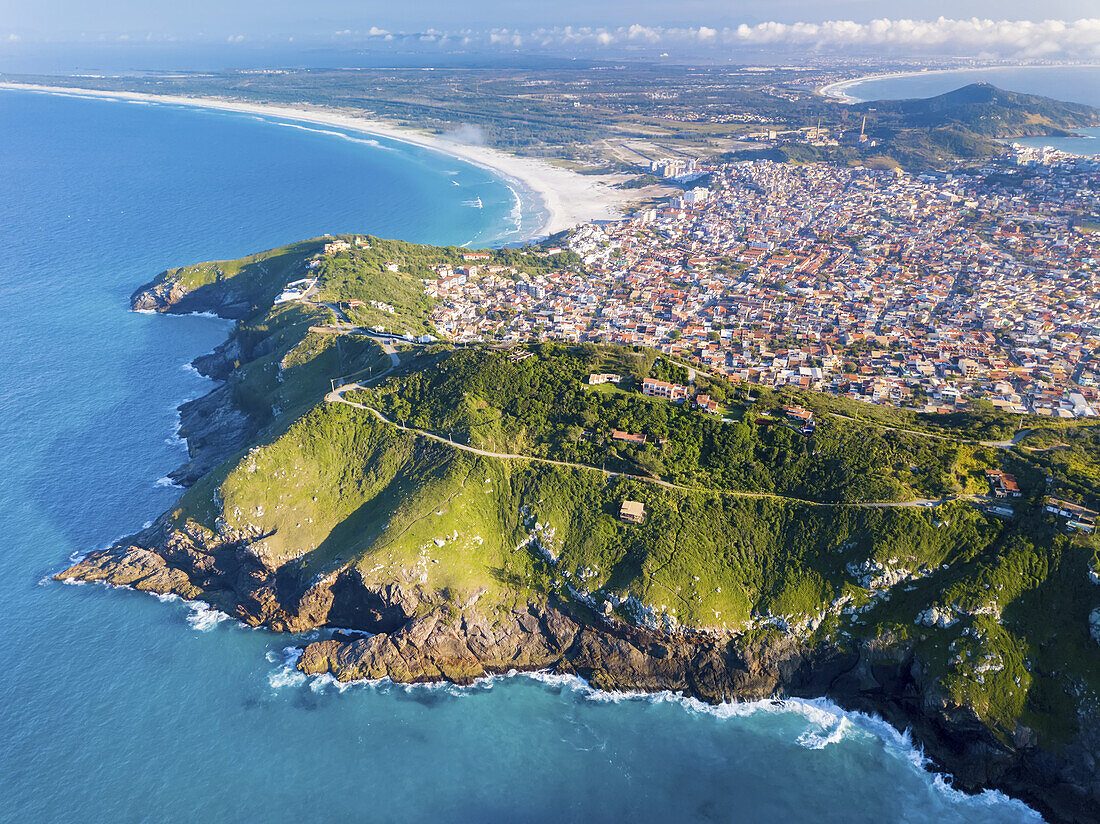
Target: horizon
144, 37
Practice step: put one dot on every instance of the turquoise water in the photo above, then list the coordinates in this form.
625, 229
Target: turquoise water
116, 707
1087, 144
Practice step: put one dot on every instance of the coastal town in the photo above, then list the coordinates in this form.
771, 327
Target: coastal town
930, 291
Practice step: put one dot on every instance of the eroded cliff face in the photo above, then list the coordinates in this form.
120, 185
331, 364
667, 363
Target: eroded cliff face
171, 296
416, 636
214, 426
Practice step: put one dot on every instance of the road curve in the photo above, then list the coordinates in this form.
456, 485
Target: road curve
337, 396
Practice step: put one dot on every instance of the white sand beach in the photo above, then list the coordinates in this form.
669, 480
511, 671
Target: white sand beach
568, 198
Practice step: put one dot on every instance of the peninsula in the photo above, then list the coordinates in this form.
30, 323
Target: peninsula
614, 511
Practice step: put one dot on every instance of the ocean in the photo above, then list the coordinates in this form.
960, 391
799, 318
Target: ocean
1076, 84
116, 706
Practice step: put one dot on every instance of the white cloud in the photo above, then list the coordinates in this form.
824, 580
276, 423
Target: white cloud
1080, 38
971, 37
1061, 38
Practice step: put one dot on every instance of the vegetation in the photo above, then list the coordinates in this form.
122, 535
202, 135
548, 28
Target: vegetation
996, 608
542, 405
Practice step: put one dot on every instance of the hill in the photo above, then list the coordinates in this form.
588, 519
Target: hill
459, 514
985, 110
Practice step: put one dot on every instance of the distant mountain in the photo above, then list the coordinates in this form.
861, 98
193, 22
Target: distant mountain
983, 110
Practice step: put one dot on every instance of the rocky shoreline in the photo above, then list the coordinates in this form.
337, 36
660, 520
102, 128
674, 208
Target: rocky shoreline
414, 636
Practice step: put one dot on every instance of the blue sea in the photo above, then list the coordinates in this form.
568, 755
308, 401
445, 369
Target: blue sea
118, 707
1076, 84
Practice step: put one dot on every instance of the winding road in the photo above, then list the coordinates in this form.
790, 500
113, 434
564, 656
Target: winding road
337, 396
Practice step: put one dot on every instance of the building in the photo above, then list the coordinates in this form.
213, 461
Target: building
1077, 516
1002, 484
598, 379
338, 245
798, 413
706, 403
663, 389
632, 512
628, 437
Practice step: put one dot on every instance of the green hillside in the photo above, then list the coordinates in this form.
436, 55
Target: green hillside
478, 484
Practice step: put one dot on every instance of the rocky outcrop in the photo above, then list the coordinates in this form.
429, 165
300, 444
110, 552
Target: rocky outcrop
168, 294
420, 637
219, 364
214, 425
214, 428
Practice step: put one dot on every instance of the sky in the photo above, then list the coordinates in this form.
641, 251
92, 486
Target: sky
1051, 29
259, 19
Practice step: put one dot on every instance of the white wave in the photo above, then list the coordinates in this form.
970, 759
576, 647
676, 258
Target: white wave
168, 483
204, 617
988, 798
366, 141
287, 674
190, 369
145, 311
812, 740
516, 215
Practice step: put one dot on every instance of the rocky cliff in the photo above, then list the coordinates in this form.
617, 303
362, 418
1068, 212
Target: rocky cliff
416, 638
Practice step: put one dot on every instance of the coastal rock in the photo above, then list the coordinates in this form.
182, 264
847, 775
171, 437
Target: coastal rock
219, 364
214, 427
419, 637
168, 294
134, 567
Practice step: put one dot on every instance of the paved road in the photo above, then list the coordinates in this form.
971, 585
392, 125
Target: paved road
337, 396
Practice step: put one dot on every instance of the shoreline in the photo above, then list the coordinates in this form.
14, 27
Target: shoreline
838, 90
567, 198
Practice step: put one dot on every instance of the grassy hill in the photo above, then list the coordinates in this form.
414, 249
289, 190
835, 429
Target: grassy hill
495, 488
983, 109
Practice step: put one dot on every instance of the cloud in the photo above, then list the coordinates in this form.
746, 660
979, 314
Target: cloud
1060, 39
1080, 38
467, 133
13, 38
